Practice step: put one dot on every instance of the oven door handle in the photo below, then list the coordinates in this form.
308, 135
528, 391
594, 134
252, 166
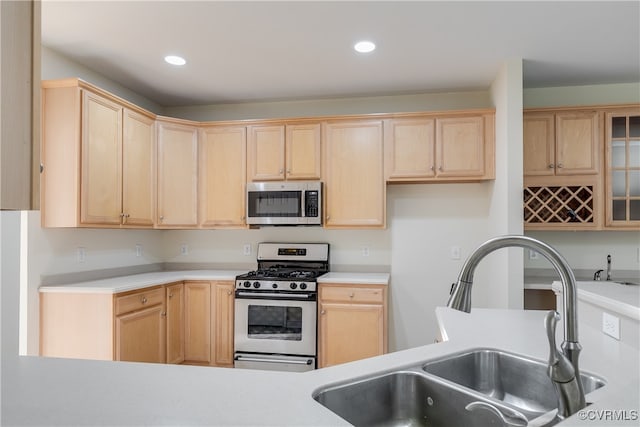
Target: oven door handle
273, 360
273, 295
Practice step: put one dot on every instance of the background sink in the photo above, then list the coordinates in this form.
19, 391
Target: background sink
405, 398
509, 378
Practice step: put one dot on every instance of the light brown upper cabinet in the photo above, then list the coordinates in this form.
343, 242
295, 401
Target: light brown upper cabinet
97, 157
222, 176
177, 174
622, 136
561, 143
353, 170
439, 148
279, 152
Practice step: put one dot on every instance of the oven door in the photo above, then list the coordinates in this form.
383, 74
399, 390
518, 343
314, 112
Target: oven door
275, 326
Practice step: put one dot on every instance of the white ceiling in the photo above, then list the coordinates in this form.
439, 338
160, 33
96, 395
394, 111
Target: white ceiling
247, 51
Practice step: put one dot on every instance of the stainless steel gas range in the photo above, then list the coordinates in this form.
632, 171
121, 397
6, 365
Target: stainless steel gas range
276, 308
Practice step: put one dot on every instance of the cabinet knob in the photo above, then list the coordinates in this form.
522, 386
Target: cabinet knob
281, 171
144, 300
551, 165
288, 170
560, 165
170, 295
228, 292
161, 217
440, 168
351, 295
432, 167
163, 314
322, 312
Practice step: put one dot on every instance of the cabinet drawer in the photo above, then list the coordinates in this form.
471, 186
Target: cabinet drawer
352, 294
139, 300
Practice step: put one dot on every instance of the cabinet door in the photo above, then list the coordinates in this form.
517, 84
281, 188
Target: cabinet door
222, 177
349, 332
175, 323
138, 148
623, 169
177, 175
577, 142
140, 336
101, 179
265, 156
409, 149
303, 151
460, 147
222, 304
355, 189
197, 322
538, 144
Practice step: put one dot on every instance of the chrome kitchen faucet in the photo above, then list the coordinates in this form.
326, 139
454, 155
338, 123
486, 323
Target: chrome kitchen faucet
570, 399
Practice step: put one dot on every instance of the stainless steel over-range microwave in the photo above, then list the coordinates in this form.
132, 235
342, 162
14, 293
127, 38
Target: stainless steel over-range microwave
284, 203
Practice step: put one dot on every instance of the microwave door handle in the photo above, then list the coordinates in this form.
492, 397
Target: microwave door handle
303, 197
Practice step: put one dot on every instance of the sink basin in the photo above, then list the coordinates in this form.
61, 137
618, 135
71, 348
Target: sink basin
405, 398
515, 380
450, 390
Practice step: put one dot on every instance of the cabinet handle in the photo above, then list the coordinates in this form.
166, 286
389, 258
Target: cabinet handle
170, 295
560, 165
551, 166
281, 171
351, 295
161, 217
322, 312
163, 314
440, 168
144, 300
228, 292
433, 167
289, 171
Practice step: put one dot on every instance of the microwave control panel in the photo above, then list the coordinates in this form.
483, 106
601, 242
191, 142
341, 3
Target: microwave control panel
311, 208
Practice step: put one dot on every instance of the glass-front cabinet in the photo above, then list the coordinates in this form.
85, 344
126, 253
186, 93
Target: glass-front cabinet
623, 168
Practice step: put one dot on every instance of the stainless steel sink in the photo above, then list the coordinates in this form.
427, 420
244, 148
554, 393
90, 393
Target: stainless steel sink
448, 391
405, 398
515, 380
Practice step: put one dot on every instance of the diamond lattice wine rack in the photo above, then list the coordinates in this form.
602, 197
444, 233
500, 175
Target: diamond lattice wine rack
561, 204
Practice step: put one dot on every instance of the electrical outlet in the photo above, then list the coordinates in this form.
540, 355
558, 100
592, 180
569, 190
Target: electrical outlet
611, 325
138, 250
533, 254
455, 252
246, 249
81, 254
365, 251
184, 250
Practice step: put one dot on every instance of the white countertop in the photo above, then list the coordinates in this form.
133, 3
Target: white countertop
355, 278
48, 391
139, 281
621, 299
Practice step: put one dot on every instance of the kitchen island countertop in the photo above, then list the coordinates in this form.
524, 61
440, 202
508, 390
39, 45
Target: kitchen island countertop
48, 391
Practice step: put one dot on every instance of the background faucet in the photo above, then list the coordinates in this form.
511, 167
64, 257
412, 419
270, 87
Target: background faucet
460, 299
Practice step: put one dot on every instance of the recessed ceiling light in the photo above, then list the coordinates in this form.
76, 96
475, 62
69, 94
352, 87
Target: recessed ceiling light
175, 60
364, 46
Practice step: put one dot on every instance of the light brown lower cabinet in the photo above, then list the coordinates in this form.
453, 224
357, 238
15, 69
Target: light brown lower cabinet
190, 322
352, 323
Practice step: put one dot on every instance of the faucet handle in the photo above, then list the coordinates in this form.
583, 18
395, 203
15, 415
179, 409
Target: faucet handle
560, 368
596, 275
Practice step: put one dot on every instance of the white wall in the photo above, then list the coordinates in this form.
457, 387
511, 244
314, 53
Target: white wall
588, 250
